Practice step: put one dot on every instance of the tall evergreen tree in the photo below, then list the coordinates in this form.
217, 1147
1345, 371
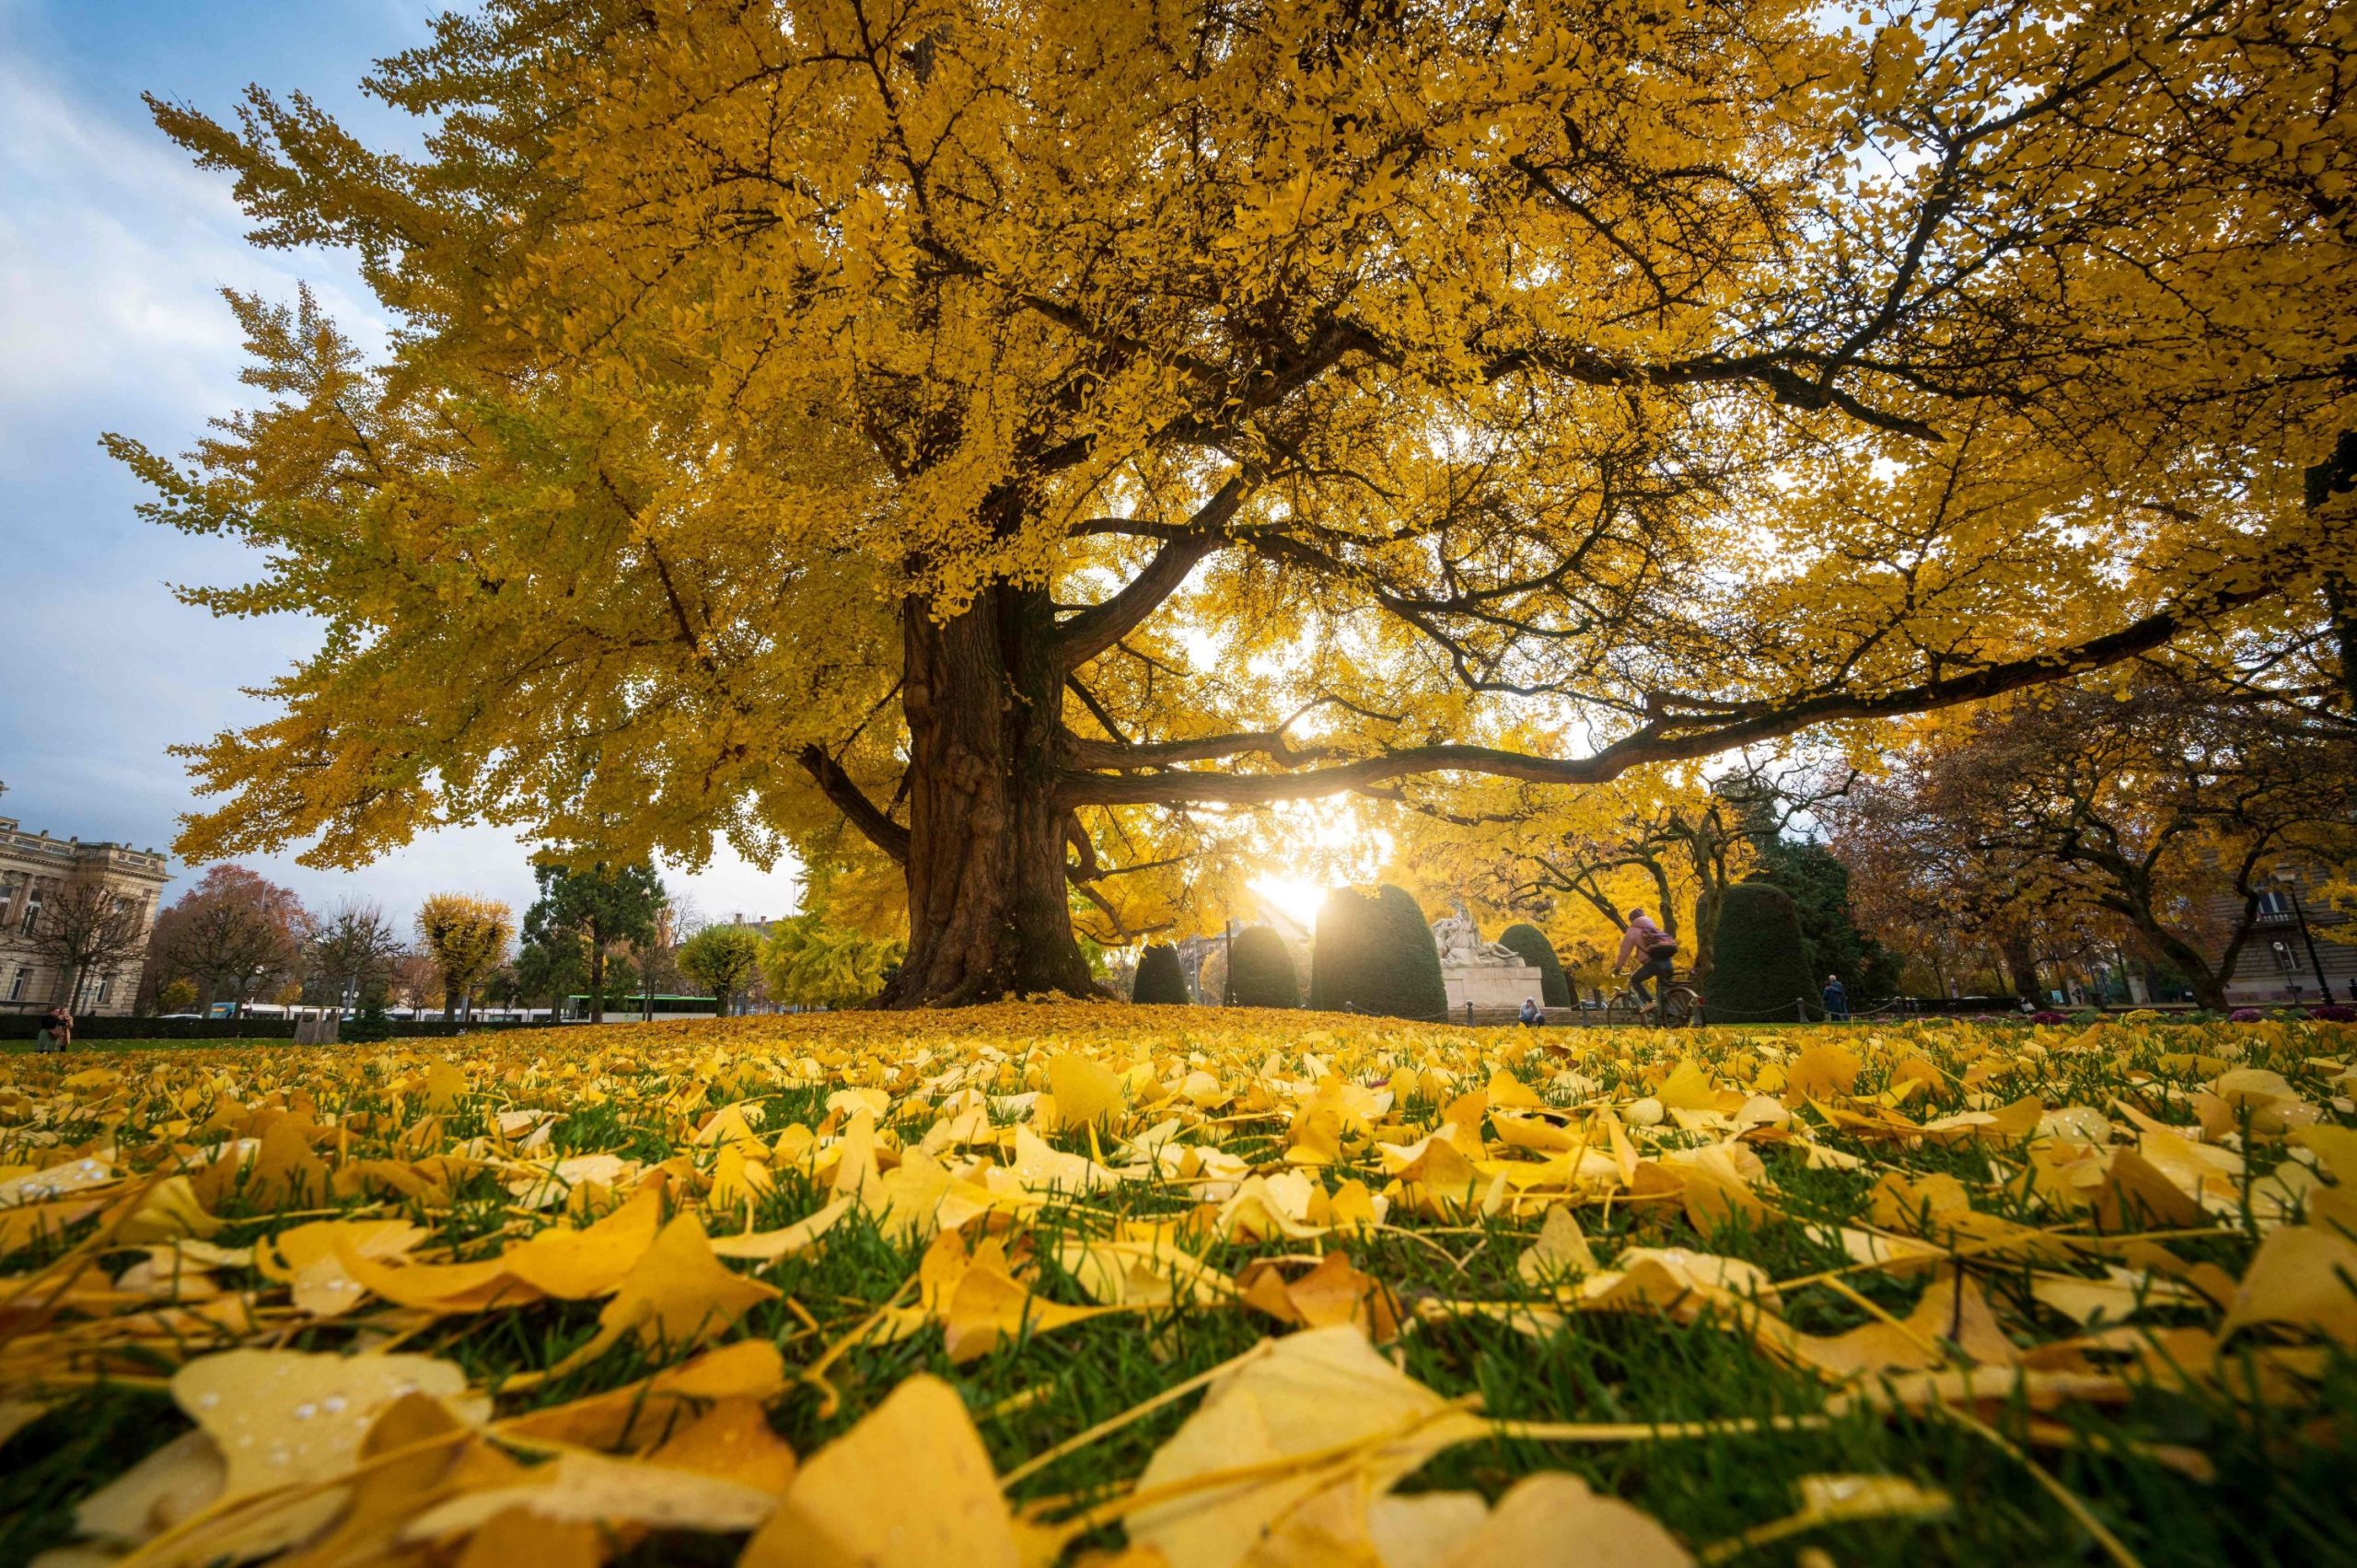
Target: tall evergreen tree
1819, 887
1764, 973
601, 904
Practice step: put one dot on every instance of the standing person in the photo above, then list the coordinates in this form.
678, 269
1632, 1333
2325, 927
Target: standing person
1643, 938
1533, 1016
1837, 1000
56, 1030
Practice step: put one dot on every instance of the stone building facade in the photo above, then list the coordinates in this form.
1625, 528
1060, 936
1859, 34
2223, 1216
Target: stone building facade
2300, 946
33, 868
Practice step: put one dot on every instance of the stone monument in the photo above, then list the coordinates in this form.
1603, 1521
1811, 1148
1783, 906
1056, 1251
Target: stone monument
1486, 974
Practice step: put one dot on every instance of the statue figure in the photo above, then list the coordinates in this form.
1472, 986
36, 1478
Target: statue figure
1460, 941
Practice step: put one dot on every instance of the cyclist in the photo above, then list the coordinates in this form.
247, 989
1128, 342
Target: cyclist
1641, 937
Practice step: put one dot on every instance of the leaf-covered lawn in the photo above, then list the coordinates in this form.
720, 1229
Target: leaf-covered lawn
1036, 1284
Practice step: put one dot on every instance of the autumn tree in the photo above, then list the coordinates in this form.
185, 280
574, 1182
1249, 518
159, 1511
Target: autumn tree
722, 959
87, 930
231, 933
1034, 433
466, 936
598, 906
2153, 802
353, 951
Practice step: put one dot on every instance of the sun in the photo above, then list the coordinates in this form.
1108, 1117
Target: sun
1298, 898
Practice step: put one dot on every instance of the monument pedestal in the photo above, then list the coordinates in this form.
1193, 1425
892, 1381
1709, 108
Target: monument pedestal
1488, 985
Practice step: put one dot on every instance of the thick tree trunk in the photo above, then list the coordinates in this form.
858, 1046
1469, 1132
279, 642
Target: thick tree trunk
989, 911
597, 980
2022, 966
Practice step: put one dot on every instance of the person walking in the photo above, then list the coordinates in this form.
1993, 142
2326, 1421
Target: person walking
1837, 1000
1641, 937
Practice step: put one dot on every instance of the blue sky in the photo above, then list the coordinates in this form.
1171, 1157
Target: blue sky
112, 252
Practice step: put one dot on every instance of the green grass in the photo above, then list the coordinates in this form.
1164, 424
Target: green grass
2281, 1496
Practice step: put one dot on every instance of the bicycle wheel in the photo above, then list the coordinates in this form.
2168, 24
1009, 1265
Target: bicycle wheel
1621, 1007
1678, 1006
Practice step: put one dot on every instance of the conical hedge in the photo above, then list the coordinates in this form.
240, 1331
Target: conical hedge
1554, 989
1760, 966
1338, 953
1160, 978
1259, 969
1376, 955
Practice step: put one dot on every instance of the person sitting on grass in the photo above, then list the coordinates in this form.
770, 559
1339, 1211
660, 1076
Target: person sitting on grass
1533, 1015
1642, 937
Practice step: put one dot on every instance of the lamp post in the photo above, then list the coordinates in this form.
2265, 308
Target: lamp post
1227, 961
2292, 886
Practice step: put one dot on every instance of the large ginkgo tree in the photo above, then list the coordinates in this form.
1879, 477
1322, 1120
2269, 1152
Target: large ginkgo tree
1034, 432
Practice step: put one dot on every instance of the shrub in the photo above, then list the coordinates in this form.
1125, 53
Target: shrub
2244, 1016
1376, 955
1259, 969
1338, 952
1159, 978
2334, 1013
1759, 968
1554, 990
2048, 1016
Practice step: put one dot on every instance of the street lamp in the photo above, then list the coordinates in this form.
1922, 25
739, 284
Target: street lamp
2291, 885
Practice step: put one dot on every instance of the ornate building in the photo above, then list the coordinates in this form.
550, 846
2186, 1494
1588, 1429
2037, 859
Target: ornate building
36, 869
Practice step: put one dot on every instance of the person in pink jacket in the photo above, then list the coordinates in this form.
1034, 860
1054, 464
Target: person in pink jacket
1642, 939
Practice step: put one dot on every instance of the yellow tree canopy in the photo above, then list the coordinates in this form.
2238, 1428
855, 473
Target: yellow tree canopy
1028, 430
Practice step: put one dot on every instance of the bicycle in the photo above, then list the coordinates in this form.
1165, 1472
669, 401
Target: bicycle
1678, 1006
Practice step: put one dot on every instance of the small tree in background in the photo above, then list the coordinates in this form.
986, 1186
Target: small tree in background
722, 958
177, 997
602, 904
1554, 988
1763, 972
1160, 980
466, 937
86, 930
548, 968
351, 951
1260, 972
231, 933
809, 963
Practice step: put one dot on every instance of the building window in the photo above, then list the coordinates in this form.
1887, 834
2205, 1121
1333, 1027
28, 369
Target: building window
2275, 904
7, 900
16, 987
32, 911
2284, 960
104, 986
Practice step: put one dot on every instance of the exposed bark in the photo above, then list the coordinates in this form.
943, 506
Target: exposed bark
989, 914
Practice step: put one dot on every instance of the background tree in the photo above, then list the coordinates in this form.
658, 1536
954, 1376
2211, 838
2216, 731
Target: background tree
1819, 885
1262, 969
603, 904
350, 952
1554, 990
87, 931
231, 933
808, 963
178, 996
2152, 801
722, 959
1032, 433
548, 967
466, 937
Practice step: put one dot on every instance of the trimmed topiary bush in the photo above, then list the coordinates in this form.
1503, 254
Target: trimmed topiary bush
1376, 955
1759, 967
1259, 969
1159, 979
1338, 951
2048, 1016
1554, 990
2244, 1016
2334, 1013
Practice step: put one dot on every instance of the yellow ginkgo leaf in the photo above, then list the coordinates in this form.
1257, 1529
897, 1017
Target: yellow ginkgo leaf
677, 1296
910, 1486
